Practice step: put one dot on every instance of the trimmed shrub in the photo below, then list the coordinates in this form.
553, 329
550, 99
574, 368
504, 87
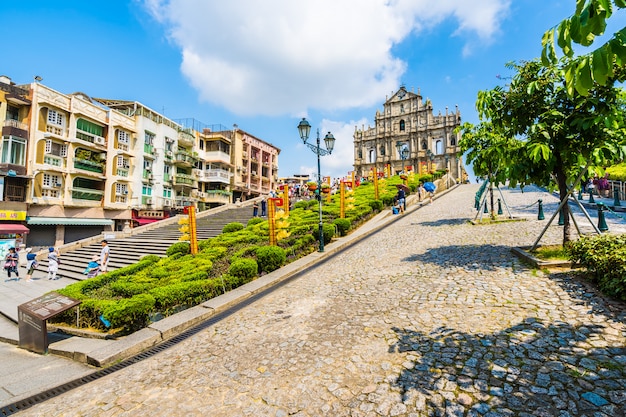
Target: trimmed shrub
244, 268
604, 258
327, 229
270, 258
376, 205
232, 227
343, 225
254, 220
179, 247
130, 313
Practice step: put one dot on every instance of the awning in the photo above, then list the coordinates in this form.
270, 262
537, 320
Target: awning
145, 221
11, 228
68, 221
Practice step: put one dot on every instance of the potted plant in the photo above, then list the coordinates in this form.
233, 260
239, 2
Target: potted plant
311, 185
325, 188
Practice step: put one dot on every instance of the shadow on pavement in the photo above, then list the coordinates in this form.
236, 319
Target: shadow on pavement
530, 368
487, 257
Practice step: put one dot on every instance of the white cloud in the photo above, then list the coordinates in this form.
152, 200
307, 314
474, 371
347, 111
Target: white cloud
281, 57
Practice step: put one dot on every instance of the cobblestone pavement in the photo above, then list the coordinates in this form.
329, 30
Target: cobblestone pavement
429, 316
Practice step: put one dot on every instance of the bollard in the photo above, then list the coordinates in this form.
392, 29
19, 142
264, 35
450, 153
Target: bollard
580, 193
540, 216
561, 218
602, 226
616, 202
591, 200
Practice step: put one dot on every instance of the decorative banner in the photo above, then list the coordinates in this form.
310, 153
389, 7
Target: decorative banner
271, 208
375, 184
285, 198
193, 237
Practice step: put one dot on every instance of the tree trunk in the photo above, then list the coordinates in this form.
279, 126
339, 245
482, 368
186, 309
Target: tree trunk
561, 180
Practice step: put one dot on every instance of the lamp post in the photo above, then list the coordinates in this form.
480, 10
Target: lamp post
403, 152
431, 157
304, 128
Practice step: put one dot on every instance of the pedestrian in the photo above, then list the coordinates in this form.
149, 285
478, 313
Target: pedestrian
421, 191
31, 265
53, 263
93, 267
104, 255
10, 263
263, 207
255, 209
401, 200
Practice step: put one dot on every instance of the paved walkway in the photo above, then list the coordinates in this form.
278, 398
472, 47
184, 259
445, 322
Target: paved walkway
428, 316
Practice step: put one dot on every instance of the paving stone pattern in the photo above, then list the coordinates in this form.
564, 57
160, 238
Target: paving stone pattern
430, 316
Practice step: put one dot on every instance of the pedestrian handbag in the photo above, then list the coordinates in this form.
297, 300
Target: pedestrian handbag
10, 264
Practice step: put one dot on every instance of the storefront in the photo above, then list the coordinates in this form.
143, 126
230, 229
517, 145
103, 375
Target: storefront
12, 235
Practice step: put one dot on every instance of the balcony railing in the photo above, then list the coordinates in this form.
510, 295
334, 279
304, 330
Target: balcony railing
122, 172
219, 175
55, 130
88, 165
54, 160
87, 194
183, 179
89, 137
182, 157
16, 124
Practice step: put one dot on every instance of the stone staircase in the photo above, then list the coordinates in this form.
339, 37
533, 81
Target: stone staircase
153, 241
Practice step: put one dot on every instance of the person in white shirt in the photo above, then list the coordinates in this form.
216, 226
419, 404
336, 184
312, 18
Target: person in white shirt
104, 256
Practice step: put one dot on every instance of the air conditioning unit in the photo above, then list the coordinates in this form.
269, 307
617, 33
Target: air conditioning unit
167, 203
58, 185
98, 140
149, 201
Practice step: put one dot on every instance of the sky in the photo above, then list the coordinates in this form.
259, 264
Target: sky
263, 65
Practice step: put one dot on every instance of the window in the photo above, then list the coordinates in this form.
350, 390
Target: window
452, 141
56, 118
123, 162
167, 169
54, 148
401, 108
424, 145
50, 180
123, 137
13, 150
371, 155
89, 127
147, 165
149, 138
121, 189
146, 190
439, 147
13, 113
202, 144
167, 192
402, 126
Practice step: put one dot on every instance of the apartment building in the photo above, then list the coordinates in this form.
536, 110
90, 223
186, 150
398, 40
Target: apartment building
14, 180
74, 166
256, 166
407, 136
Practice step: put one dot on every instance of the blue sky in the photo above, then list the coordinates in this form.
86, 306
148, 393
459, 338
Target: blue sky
264, 65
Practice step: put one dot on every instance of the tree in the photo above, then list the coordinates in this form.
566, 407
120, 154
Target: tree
489, 152
588, 21
561, 134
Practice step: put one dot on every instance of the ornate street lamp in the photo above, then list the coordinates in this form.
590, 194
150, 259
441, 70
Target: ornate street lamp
304, 128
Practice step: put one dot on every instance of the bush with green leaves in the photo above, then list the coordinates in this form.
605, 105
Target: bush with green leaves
343, 225
617, 172
179, 247
255, 220
270, 258
604, 258
232, 227
376, 205
244, 268
327, 229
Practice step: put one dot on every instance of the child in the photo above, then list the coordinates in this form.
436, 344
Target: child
93, 267
53, 263
31, 264
11, 263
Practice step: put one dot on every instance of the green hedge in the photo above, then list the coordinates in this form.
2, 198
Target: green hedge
270, 258
604, 258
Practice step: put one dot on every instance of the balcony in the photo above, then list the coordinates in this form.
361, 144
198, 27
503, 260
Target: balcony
88, 165
184, 179
217, 156
218, 175
91, 138
183, 159
186, 137
217, 196
122, 172
57, 131
54, 161
183, 201
87, 194
14, 128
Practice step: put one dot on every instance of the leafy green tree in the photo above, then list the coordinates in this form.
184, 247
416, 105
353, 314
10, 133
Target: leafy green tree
588, 21
489, 152
561, 134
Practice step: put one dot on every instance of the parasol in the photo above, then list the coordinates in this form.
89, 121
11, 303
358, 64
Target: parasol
430, 187
403, 187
